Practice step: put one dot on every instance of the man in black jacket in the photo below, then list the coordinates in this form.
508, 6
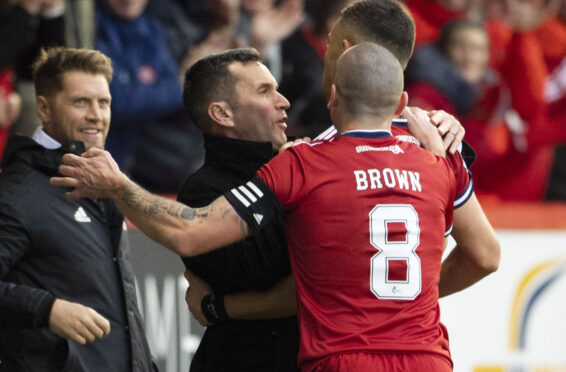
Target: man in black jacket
67, 295
243, 119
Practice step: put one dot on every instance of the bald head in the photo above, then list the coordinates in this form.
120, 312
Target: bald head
369, 82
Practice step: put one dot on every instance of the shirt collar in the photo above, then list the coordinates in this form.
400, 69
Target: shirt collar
365, 133
44, 139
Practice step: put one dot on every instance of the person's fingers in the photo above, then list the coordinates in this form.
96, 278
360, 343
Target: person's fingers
445, 128
67, 170
457, 141
87, 333
63, 181
92, 325
448, 139
85, 328
93, 152
71, 159
77, 338
189, 276
102, 323
285, 146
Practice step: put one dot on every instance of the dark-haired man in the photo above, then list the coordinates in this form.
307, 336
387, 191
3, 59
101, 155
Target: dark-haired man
67, 295
232, 97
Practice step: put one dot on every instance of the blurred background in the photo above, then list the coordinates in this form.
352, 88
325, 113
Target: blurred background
497, 65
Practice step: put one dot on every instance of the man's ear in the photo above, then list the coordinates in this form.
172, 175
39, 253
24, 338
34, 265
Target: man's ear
333, 101
42, 109
403, 102
221, 113
346, 44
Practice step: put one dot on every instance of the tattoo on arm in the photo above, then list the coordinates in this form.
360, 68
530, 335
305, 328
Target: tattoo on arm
152, 205
188, 213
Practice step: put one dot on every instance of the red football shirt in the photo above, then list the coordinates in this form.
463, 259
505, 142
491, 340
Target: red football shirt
366, 217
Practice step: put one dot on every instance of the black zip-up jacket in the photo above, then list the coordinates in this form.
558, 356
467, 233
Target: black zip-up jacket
253, 264
54, 248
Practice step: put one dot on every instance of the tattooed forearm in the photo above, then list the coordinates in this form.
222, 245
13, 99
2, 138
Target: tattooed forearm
152, 205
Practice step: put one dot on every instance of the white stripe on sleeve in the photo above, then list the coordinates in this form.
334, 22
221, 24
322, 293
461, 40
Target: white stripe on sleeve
248, 193
240, 198
255, 189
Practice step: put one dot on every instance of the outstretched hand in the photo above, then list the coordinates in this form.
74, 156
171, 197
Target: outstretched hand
94, 174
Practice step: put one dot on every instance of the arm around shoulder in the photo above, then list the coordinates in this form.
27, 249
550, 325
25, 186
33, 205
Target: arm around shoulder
277, 302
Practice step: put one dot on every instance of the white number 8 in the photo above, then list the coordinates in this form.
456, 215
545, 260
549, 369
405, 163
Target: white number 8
396, 268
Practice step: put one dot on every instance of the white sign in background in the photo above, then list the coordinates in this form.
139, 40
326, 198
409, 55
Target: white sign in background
515, 319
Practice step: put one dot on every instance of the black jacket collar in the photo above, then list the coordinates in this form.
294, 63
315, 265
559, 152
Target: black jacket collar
235, 155
26, 150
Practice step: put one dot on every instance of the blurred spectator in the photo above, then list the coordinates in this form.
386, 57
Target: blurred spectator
25, 27
146, 92
265, 24
201, 29
461, 83
10, 105
185, 22
261, 24
217, 21
555, 95
303, 63
504, 115
432, 15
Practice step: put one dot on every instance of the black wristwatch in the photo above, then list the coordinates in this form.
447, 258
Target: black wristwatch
213, 309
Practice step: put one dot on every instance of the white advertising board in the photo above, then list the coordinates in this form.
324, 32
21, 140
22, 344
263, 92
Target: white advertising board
515, 319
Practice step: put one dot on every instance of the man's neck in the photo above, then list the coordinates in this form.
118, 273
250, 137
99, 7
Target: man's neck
361, 125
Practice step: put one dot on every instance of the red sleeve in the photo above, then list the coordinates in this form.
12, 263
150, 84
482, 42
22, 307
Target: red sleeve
285, 175
451, 184
464, 185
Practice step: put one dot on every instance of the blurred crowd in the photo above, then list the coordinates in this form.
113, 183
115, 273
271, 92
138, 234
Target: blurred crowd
499, 66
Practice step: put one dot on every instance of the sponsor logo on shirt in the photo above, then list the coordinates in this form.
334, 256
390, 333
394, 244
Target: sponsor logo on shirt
394, 149
410, 139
